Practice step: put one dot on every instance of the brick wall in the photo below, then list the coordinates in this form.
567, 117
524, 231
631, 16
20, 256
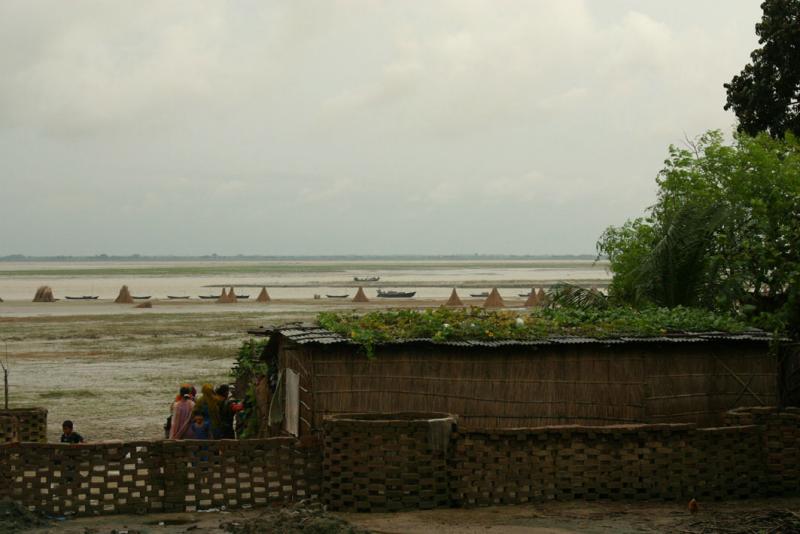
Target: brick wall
155, 476
9, 429
386, 462
634, 462
32, 423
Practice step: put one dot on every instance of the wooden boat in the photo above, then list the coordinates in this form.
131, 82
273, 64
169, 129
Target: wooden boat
523, 295
242, 296
337, 296
483, 295
141, 298
173, 297
396, 294
366, 278
84, 297
209, 297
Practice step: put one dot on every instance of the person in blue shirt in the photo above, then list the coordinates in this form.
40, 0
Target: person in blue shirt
199, 429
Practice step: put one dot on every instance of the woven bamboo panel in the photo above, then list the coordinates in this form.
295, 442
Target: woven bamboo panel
382, 466
32, 423
155, 476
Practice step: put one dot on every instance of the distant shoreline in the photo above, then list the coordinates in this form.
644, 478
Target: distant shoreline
343, 257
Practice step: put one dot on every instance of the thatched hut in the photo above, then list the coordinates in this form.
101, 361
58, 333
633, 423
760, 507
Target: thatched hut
682, 378
360, 295
263, 296
454, 301
44, 294
533, 299
124, 296
494, 300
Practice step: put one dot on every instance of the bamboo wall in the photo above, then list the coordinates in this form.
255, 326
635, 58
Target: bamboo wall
583, 384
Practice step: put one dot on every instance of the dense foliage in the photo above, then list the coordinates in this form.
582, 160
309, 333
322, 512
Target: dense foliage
248, 360
445, 324
247, 369
723, 235
765, 95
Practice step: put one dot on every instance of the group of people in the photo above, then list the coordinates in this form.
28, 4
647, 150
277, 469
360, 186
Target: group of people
211, 416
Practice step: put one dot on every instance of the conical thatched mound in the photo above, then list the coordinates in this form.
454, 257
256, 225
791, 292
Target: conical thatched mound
263, 296
124, 296
1, 300
360, 295
232, 296
533, 299
223, 297
146, 304
454, 301
542, 296
44, 294
494, 300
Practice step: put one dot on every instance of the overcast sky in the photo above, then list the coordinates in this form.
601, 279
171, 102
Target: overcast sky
336, 127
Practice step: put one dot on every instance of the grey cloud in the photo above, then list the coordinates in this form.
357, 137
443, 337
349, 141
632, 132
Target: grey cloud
348, 126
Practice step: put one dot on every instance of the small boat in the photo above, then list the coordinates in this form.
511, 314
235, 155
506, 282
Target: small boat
84, 297
242, 296
366, 278
173, 297
208, 297
523, 295
480, 295
337, 296
141, 298
396, 294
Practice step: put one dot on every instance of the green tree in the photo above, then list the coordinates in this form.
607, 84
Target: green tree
764, 95
724, 233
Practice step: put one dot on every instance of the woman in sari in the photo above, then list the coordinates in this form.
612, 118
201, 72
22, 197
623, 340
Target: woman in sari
182, 410
209, 407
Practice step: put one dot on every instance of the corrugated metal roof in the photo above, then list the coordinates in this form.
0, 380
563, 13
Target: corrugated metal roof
310, 333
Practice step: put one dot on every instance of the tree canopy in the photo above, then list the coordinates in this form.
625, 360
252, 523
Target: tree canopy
764, 95
724, 233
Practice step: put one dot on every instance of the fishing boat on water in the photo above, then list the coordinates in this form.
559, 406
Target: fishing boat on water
483, 295
174, 297
208, 297
366, 278
242, 296
141, 298
337, 296
396, 294
84, 297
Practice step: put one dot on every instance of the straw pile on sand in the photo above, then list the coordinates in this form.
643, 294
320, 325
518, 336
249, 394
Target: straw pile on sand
542, 297
263, 296
227, 297
124, 296
494, 300
44, 294
146, 304
454, 301
360, 295
533, 299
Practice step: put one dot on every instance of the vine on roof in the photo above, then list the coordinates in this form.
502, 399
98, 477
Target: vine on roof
444, 324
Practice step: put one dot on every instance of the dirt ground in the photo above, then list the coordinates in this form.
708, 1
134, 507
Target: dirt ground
757, 515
